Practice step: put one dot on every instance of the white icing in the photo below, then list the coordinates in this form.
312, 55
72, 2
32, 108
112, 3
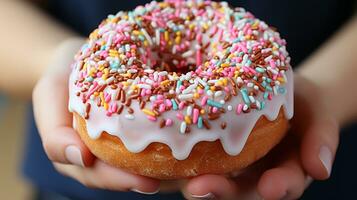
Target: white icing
137, 134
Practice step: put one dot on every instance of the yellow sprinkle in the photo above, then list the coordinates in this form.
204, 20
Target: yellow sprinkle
96, 94
225, 81
188, 119
224, 65
135, 32
148, 112
281, 79
192, 26
165, 82
196, 95
101, 95
166, 36
106, 106
213, 88
178, 40
202, 111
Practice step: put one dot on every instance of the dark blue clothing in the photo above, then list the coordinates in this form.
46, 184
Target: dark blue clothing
304, 24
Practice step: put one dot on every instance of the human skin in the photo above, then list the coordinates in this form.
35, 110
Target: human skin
314, 124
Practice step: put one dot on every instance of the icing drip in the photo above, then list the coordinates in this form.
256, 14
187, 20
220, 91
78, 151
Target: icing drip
137, 134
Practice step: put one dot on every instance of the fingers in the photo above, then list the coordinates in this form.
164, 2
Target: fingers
50, 100
319, 145
318, 130
287, 181
104, 176
210, 187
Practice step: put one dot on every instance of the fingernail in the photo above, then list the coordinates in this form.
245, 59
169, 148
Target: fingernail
146, 193
204, 197
74, 156
326, 158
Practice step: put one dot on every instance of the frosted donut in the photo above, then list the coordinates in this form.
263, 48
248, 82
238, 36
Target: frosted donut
176, 89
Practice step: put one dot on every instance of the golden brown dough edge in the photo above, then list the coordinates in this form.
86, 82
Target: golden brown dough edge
156, 160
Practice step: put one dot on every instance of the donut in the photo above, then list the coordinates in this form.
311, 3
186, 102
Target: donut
176, 89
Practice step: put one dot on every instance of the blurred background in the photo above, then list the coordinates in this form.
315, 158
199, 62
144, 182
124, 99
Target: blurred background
12, 125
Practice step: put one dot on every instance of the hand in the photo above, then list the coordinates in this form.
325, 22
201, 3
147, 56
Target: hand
306, 153
61, 142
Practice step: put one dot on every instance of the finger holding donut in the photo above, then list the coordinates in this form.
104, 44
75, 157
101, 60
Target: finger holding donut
61, 142
306, 153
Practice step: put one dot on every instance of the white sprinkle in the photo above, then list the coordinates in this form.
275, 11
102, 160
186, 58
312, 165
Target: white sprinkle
251, 98
132, 71
152, 98
209, 93
129, 117
218, 94
185, 96
245, 107
147, 36
110, 80
267, 59
250, 85
275, 90
258, 105
229, 108
183, 128
163, 73
222, 101
145, 86
187, 54
202, 82
157, 37
189, 110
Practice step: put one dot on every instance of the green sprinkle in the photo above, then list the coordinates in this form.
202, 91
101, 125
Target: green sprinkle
200, 122
281, 90
244, 93
210, 102
174, 104
266, 94
260, 70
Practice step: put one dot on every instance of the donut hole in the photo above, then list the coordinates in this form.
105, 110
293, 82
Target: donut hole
173, 63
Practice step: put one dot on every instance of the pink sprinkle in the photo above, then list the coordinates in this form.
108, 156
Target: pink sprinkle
179, 116
270, 96
181, 105
168, 103
195, 115
239, 109
107, 98
200, 91
162, 108
204, 100
169, 122
214, 109
151, 118
272, 64
198, 58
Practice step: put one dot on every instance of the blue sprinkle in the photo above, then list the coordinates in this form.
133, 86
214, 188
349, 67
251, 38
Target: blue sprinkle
236, 40
179, 83
260, 70
200, 122
262, 105
89, 79
268, 88
244, 93
214, 103
281, 90
174, 104
266, 94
